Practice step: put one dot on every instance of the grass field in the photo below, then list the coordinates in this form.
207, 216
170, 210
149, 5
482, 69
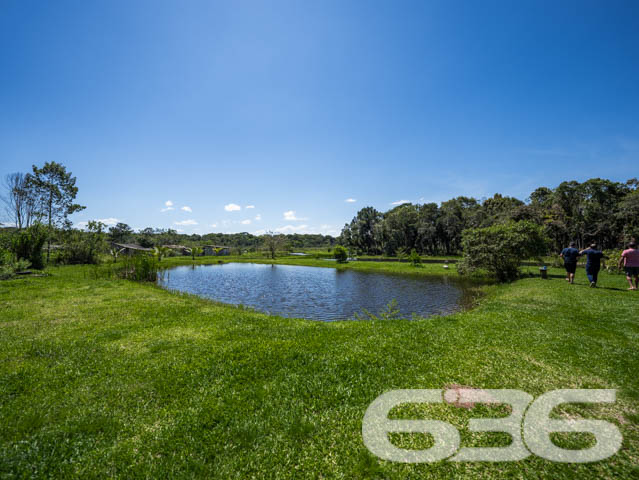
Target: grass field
108, 378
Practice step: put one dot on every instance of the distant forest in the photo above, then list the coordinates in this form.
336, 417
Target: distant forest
151, 237
597, 210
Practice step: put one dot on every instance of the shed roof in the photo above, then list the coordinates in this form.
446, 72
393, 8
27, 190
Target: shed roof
133, 246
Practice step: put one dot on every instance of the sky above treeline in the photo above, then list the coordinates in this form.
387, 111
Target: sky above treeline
208, 116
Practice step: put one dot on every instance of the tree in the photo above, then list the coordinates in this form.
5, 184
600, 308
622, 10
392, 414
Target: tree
195, 252
274, 242
401, 227
628, 216
456, 215
120, 233
162, 252
55, 191
414, 258
340, 254
363, 232
145, 237
19, 199
499, 209
500, 249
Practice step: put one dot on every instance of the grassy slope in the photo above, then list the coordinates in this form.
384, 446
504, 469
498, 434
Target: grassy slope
107, 377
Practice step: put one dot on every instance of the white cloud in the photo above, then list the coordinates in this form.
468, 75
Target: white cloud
291, 229
168, 203
185, 222
232, 207
186, 209
350, 200
400, 202
329, 230
246, 222
258, 217
290, 216
213, 225
249, 206
168, 206
108, 221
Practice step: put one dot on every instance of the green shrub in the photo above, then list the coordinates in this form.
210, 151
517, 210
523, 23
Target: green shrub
611, 264
340, 254
500, 249
414, 258
9, 265
83, 247
27, 245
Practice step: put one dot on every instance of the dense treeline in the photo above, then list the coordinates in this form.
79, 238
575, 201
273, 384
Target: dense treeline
154, 237
597, 210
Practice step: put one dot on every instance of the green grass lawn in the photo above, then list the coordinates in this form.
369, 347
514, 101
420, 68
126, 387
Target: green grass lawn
104, 377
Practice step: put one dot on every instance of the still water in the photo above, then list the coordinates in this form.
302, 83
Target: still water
316, 293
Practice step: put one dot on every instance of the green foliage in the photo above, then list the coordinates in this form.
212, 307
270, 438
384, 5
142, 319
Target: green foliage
597, 210
414, 258
162, 252
389, 312
120, 233
273, 242
27, 245
9, 265
401, 253
340, 254
613, 260
196, 252
140, 267
55, 191
500, 249
83, 247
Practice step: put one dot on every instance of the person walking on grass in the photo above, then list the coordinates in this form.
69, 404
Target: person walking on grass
570, 256
593, 263
630, 261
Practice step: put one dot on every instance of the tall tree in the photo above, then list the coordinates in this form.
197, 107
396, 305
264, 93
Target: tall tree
120, 233
56, 191
19, 199
363, 230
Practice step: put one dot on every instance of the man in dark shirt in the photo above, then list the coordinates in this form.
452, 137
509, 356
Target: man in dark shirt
570, 256
593, 263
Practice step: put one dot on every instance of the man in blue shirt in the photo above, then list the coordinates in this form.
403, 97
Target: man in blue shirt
593, 263
570, 256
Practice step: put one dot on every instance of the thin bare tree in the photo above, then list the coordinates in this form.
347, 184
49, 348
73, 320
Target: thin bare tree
273, 242
19, 199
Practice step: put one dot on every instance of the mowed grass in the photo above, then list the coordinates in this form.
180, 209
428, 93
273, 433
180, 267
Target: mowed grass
109, 378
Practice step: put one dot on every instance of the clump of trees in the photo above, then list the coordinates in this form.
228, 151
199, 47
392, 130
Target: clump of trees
597, 210
39, 203
501, 248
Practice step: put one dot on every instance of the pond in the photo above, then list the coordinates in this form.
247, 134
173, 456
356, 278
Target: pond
317, 293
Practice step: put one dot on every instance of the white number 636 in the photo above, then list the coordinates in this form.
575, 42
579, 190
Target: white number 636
537, 427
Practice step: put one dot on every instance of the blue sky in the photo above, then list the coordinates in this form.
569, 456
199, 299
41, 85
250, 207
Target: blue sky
295, 107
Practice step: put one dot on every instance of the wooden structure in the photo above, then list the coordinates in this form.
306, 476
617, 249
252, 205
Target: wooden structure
129, 248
